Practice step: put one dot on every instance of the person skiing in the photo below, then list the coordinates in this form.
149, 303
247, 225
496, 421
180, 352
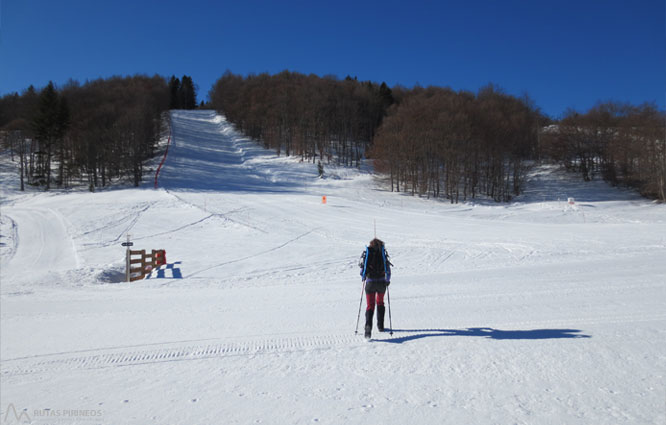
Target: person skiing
376, 275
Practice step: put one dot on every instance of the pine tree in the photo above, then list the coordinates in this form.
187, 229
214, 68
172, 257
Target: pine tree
50, 125
188, 95
174, 93
63, 124
386, 95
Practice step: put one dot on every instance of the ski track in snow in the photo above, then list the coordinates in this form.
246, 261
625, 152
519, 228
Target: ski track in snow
224, 216
8, 239
42, 242
141, 355
128, 222
253, 255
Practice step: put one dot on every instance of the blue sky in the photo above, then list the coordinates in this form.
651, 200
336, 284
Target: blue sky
562, 53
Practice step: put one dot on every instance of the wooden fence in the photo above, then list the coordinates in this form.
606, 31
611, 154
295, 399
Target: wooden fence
144, 263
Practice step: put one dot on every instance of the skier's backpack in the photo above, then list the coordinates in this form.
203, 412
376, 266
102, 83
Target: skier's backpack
375, 265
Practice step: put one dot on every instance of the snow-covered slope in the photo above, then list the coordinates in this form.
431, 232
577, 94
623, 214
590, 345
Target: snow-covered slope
532, 312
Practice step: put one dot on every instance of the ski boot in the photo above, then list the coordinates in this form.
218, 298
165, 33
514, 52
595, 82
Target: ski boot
368, 323
380, 317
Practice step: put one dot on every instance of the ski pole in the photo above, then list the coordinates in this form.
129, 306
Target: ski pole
388, 295
360, 303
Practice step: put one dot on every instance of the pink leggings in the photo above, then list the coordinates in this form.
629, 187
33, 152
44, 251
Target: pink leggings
370, 298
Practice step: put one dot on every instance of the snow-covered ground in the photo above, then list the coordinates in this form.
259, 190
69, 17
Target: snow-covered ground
534, 312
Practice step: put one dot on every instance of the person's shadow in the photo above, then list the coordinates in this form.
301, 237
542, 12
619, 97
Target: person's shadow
483, 332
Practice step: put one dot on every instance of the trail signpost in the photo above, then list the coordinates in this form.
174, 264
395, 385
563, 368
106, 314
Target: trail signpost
127, 258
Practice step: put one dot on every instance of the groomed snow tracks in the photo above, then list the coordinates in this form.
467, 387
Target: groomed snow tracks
200, 350
96, 359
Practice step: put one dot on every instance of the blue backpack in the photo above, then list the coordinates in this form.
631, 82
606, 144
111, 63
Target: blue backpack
375, 264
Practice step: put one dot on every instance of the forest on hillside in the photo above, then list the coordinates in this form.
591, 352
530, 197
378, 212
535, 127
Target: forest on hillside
623, 144
441, 143
458, 145
90, 134
304, 115
433, 141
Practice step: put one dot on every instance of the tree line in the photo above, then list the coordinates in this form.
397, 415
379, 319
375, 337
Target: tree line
304, 115
442, 143
458, 145
433, 141
622, 143
95, 133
